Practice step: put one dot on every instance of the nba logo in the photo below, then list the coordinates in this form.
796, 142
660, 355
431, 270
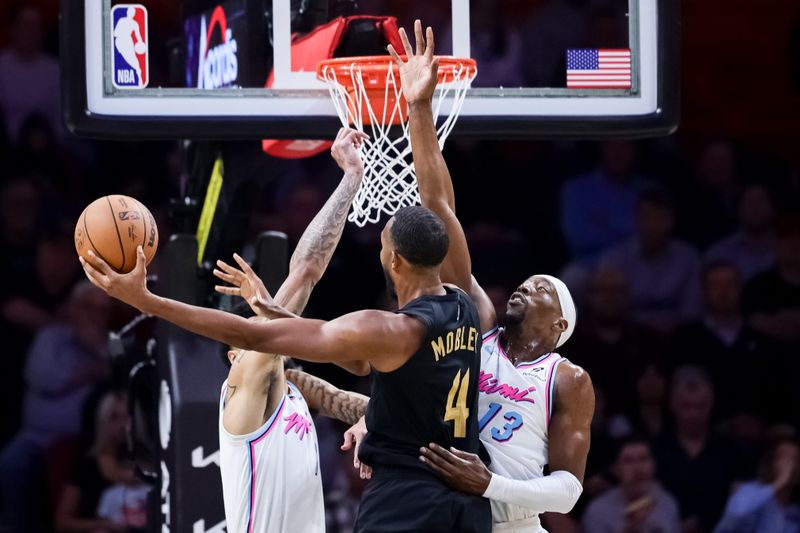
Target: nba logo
129, 60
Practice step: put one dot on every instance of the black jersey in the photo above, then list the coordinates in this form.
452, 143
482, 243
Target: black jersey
433, 397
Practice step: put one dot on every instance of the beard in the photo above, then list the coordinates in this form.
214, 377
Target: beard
514, 319
390, 289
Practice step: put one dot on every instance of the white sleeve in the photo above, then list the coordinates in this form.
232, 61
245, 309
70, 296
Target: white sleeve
557, 492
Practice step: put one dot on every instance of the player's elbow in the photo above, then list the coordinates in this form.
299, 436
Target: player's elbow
308, 270
359, 368
570, 489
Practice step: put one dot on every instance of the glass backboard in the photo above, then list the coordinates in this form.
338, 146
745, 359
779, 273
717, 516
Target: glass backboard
245, 68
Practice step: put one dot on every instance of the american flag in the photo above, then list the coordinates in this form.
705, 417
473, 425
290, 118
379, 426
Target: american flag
599, 69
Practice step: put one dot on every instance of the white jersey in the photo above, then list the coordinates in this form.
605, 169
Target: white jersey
270, 478
515, 405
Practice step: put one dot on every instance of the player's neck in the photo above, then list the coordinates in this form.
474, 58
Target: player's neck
521, 346
415, 286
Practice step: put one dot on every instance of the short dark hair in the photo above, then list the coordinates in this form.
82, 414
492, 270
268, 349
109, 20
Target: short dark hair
420, 236
691, 377
657, 196
632, 439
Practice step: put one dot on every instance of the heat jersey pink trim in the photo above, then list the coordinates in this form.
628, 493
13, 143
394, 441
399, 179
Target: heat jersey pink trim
491, 333
275, 417
539, 361
548, 394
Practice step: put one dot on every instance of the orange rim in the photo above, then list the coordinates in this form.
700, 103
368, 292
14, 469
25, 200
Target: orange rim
371, 66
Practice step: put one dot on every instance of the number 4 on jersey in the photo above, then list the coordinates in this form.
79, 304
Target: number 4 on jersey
456, 408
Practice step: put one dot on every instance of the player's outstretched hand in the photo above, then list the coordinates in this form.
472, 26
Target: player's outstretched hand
130, 288
462, 471
245, 283
419, 72
352, 439
345, 150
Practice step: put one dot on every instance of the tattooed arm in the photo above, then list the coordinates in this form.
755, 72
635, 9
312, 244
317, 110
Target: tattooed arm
328, 400
313, 252
316, 246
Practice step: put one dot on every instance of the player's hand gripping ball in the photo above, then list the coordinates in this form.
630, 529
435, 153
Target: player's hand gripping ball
112, 227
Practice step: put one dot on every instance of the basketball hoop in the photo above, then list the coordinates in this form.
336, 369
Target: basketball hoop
366, 92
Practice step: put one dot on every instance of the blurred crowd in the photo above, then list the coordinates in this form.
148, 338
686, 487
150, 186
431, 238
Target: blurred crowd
684, 258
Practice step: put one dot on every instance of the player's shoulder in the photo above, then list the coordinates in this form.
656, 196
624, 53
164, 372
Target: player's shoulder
455, 288
463, 295
402, 320
572, 379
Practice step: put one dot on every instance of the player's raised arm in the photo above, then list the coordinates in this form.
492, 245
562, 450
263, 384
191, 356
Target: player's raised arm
418, 76
314, 251
318, 242
383, 338
315, 248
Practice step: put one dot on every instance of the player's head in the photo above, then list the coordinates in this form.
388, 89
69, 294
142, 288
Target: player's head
544, 306
414, 242
131, 12
232, 353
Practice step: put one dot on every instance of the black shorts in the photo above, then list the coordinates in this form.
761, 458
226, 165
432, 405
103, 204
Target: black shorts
411, 499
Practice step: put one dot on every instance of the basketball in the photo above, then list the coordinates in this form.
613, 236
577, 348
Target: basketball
140, 48
112, 227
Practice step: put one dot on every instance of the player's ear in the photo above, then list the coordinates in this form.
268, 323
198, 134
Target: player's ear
560, 325
396, 260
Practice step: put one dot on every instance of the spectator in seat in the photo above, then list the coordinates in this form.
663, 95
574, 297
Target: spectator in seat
638, 504
65, 363
646, 413
101, 467
771, 502
597, 210
696, 464
751, 249
663, 273
607, 342
708, 202
29, 78
772, 299
771, 304
721, 340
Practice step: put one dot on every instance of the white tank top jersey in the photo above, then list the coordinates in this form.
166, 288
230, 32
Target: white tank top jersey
270, 478
514, 405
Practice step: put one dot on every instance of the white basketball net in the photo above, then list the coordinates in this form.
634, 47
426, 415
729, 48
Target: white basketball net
389, 182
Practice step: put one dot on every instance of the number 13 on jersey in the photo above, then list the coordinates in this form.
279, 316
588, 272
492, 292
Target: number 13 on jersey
456, 408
